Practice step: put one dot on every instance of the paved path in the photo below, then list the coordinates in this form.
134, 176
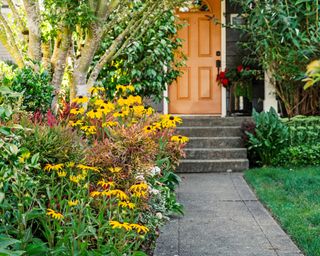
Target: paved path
222, 218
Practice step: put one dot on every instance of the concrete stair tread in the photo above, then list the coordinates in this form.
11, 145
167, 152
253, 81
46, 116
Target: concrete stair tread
214, 138
208, 127
215, 149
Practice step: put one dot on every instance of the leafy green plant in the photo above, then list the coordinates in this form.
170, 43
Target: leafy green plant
34, 85
269, 137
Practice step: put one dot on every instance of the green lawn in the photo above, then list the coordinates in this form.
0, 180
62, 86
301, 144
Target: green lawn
293, 197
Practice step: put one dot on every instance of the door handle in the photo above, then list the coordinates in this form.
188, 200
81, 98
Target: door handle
218, 65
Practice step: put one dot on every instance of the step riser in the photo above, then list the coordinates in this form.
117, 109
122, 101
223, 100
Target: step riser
212, 167
212, 123
215, 143
209, 155
212, 132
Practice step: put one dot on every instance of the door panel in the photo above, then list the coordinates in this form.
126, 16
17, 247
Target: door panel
197, 91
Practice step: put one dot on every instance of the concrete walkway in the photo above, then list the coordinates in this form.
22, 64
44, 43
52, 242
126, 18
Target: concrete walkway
222, 218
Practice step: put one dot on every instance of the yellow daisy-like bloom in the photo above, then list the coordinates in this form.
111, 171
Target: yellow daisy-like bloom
123, 101
149, 129
86, 167
138, 110
73, 203
94, 114
116, 224
75, 179
77, 123
149, 111
127, 205
135, 100
54, 215
106, 184
24, 157
53, 167
121, 113
139, 187
104, 109
115, 169
94, 90
125, 88
139, 228
89, 129
76, 111
157, 126
140, 194
80, 100
169, 121
62, 174
98, 102
110, 124
70, 164
179, 139
95, 193
119, 194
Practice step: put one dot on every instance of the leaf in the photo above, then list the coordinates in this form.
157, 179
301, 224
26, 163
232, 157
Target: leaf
139, 253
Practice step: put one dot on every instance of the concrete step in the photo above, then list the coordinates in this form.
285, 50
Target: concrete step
205, 131
216, 153
215, 142
217, 165
213, 121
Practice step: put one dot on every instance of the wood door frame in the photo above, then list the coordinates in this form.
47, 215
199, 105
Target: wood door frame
223, 65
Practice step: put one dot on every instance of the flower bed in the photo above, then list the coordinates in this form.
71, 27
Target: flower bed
108, 199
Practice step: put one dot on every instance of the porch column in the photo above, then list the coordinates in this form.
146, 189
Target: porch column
269, 93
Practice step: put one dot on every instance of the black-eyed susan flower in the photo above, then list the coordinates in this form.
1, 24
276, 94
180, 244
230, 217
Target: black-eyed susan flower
179, 139
116, 224
62, 174
95, 193
148, 129
149, 111
76, 123
80, 100
139, 187
73, 203
55, 215
75, 179
169, 121
127, 205
139, 228
119, 194
121, 113
109, 124
115, 169
89, 129
70, 164
96, 89
77, 111
94, 114
106, 184
138, 110
53, 167
135, 99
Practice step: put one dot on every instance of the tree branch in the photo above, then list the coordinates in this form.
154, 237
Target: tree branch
16, 16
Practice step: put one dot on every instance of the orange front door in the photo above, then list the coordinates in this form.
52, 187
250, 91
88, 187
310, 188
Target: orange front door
197, 91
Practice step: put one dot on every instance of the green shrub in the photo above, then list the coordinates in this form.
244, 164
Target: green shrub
303, 155
55, 144
270, 135
35, 86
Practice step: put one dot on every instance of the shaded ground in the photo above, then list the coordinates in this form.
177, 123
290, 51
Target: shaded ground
222, 218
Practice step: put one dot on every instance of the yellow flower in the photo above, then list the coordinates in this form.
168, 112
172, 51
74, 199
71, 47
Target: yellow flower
85, 168
120, 194
70, 164
115, 169
149, 111
106, 184
54, 215
109, 124
139, 228
62, 174
76, 111
139, 187
24, 157
73, 203
179, 139
149, 129
89, 129
127, 205
75, 179
94, 114
135, 99
53, 167
95, 193
121, 113
116, 224
138, 110
105, 108
80, 100
157, 126
124, 101
169, 121
97, 89
73, 124
125, 88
